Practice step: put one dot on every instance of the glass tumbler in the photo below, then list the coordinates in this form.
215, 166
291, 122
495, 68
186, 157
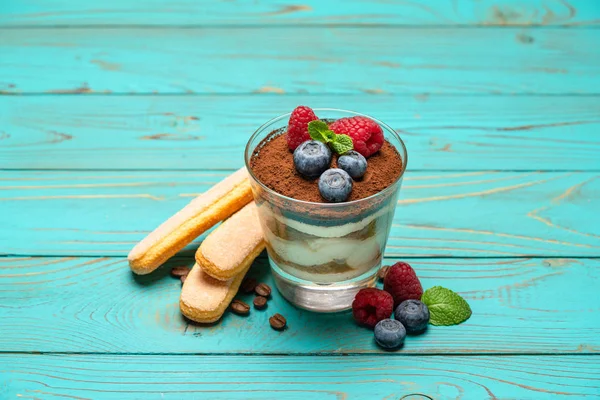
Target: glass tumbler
321, 254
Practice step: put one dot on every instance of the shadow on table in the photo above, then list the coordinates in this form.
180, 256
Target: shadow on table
185, 258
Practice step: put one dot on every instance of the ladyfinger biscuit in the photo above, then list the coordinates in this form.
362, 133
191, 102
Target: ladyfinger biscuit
204, 298
213, 206
232, 247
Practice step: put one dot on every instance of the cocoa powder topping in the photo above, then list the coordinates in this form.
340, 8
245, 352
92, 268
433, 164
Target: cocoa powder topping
273, 164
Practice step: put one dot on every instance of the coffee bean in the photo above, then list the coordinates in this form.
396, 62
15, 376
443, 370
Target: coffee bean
182, 278
177, 272
383, 272
248, 285
260, 302
240, 308
262, 289
277, 322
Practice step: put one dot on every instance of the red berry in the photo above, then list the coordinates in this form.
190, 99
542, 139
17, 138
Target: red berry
297, 132
372, 305
366, 134
402, 283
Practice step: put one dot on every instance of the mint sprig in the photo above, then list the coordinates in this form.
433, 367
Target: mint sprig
318, 130
445, 306
342, 144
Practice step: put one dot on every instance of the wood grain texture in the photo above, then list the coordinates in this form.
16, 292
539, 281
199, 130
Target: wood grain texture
299, 60
307, 12
530, 306
229, 66
210, 132
217, 377
473, 214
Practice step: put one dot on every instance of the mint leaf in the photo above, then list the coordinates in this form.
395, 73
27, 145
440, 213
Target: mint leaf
318, 130
445, 306
342, 144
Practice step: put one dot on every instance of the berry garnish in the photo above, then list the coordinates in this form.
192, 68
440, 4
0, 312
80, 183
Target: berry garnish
389, 334
371, 305
402, 283
335, 185
297, 131
366, 134
353, 163
413, 314
311, 158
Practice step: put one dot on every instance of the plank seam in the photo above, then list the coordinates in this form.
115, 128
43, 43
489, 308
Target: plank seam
419, 170
592, 25
311, 354
311, 94
190, 257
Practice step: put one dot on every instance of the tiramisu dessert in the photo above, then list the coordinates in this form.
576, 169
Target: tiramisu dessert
325, 183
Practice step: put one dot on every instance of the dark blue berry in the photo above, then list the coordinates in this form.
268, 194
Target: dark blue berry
389, 333
335, 185
311, 158
413, 314
353, 163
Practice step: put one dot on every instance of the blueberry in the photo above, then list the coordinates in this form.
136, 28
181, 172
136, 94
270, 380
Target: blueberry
413, 314
311, 158
353, 163
335, 185
389, 333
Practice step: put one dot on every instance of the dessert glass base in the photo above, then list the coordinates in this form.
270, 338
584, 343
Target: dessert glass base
322, 254
321, 297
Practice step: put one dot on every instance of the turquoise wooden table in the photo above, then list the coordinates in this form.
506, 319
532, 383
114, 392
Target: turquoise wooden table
114, 114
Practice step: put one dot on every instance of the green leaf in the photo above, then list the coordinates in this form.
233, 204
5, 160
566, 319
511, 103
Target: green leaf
342, 144
318, 130
330, 136
445, 306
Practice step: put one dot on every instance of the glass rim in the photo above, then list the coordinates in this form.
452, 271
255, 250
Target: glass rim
404, 156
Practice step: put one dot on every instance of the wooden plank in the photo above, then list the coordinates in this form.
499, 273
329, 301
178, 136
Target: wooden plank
463, 214
529, 306
210, 132
277, 377
308, 12
300, 60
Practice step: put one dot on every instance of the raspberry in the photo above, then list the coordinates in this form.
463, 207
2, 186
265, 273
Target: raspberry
366, 134
297, 132
402, 283
372, 305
